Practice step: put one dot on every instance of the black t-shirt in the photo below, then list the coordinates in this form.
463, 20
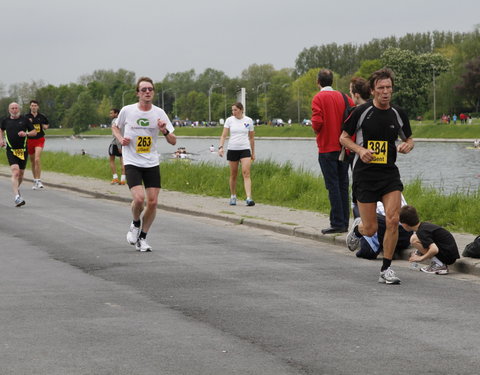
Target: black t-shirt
12, 127
37, 122
379, 131
429, 233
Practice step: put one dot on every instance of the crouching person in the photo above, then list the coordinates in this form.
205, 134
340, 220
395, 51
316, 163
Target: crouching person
430, 241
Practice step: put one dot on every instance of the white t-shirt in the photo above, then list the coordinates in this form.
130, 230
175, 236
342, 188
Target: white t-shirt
141, 127
239, 129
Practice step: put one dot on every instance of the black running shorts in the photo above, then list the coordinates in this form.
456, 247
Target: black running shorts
236, 155
368, 192
113, 150
12, 159
149, 176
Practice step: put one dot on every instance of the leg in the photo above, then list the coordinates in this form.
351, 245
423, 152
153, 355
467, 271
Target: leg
368, 214
17, 177
415, 242
113, 167
36, 164
151, 208
246, 163
233, 176
330, 170
138, 195
392, 203
343, 185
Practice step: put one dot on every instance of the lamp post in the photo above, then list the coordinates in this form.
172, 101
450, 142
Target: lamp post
434, 97
224, 90
265, 84
163, 99
123, 96
209, 101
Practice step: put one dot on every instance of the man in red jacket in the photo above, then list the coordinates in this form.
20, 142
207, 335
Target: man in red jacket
328, 108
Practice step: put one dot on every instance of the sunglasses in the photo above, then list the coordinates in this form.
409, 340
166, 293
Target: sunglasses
145, 89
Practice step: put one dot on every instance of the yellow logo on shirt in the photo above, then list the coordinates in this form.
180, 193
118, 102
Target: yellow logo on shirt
19, 153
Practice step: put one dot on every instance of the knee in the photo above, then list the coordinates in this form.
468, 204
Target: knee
246, 174
369, 229
414, 240
152, 203
392, 222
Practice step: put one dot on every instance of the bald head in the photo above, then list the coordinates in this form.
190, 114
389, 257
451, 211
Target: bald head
14, 110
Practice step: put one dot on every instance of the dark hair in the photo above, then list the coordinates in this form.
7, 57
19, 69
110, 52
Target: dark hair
409, 216
34, 101
325, 77
144, 79
384, 73
115, 110
239, 106
360, 86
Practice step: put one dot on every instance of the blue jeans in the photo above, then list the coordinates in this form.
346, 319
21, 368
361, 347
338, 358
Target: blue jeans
335, 174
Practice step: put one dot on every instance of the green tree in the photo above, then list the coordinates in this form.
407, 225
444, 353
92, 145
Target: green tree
82, 114
469, 87
413, 77
368, 67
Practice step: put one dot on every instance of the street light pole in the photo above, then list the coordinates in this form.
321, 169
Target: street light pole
298, 103
224, 90
123, 96
434, 98
209, 101
265, 84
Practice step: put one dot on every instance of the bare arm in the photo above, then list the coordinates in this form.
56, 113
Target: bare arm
170, 137
365, 155
118, 134
406, 146
222, 142
251, 138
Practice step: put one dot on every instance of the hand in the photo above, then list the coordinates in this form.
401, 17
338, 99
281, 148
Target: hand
405, 147
22, 133
366, 155
162, 125
253, 156
414, 258
220, 152
125, 141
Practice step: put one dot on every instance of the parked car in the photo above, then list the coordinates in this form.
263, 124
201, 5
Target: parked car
277, 122
307, 122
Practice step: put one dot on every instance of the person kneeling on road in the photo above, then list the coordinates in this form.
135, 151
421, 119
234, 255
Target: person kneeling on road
370, 247
431, 241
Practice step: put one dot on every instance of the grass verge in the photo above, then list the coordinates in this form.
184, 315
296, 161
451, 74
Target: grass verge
279, 185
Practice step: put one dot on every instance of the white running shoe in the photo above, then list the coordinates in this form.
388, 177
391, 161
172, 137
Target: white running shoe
35, 185
19, 201
142, 245
39, 184
353, 242
388, 277
132, 235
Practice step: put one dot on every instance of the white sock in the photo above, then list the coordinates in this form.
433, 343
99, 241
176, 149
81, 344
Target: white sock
233, 196
123, 177
115, 176
437, 261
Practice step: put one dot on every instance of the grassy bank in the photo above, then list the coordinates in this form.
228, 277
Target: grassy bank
276, 185
419, 131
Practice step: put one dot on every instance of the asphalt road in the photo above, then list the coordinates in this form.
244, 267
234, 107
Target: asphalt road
212, 298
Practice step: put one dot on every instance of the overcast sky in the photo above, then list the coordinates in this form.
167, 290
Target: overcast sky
57, 41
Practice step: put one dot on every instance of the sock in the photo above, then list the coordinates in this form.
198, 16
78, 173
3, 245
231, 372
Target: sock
136, 223
248, 198
115, 176
357, 232
123, 178
142, 235
438, 262
386, 264
233, 196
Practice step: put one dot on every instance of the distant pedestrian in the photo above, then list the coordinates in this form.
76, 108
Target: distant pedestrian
328, 107
14, 131
115, 150
454, 118
432, 242
241, 150
137, 129
35, 144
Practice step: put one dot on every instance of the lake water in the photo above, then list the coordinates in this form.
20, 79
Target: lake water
447, 166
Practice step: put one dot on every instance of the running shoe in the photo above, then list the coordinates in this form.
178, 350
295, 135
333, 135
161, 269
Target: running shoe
19, 201
132, 235
388, 277
142, 245
435, 268
35, 185
122, 182
353, 242
250, 202
114, 181
39, 184
233, 201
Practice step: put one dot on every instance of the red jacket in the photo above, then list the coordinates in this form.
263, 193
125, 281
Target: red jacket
328, 107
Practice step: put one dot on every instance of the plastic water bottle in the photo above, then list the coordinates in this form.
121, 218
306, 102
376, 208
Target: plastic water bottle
415, 266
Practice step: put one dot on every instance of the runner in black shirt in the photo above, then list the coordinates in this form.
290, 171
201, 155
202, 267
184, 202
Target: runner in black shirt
14, 131
36, 143
377, 125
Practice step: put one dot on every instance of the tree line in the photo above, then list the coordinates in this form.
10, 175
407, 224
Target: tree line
440, 65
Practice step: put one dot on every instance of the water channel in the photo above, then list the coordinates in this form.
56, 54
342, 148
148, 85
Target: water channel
447, 166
